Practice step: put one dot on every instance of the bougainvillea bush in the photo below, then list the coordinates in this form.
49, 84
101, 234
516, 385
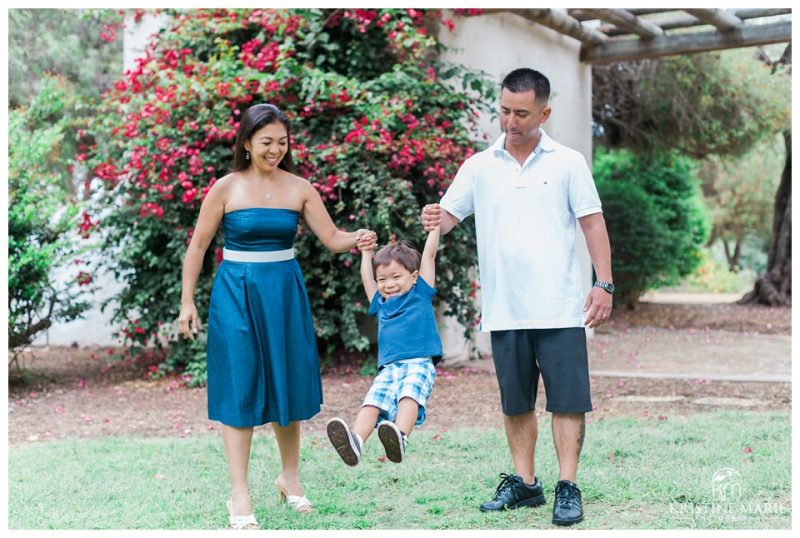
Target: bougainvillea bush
380, 127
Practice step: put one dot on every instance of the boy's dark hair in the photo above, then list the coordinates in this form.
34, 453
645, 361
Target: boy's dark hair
401, 252
525, 79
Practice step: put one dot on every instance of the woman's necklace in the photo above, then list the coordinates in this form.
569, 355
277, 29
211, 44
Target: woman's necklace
269, 196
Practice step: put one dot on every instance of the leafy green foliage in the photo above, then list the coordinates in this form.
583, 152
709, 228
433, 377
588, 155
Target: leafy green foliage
713, 276
655, 217
699, 104
79, 46
41, 220
379, 129
741, 192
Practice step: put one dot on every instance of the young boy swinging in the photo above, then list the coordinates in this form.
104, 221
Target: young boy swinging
399, 283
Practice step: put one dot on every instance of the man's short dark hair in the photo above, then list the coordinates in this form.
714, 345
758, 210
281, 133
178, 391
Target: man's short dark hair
525, 79
401, 252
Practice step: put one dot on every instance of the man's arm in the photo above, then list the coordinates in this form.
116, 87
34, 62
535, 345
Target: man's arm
599, 302
427, 265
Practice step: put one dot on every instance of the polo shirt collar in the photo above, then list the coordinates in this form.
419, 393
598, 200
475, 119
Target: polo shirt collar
545, 143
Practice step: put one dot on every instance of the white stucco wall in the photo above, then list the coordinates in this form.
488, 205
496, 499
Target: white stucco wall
137, 36
497, 44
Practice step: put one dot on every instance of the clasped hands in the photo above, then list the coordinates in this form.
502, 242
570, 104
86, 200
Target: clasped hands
431, 217
366, 239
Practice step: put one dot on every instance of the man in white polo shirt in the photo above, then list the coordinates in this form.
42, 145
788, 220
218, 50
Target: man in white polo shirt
527, 192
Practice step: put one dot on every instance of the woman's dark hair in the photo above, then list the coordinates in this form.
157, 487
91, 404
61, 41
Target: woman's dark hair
525, 79
253, 119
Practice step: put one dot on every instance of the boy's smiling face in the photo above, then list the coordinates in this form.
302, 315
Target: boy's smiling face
394, 279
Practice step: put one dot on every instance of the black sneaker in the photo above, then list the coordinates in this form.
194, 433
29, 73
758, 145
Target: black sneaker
393, 440
567, 508
513, 493
346, 443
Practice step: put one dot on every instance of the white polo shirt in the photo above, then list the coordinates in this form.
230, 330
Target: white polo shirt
525, 219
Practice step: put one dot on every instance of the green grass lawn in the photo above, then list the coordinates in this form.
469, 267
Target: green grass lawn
635, 474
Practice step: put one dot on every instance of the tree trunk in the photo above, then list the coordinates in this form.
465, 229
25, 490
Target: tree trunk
774, 287
733, 257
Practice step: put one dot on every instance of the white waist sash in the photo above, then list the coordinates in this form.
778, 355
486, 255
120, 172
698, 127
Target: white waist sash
258, 256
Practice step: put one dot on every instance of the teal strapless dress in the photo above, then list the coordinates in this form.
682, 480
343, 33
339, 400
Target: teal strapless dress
262, 353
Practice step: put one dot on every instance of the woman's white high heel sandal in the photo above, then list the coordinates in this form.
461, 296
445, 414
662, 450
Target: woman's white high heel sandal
295, 502
241, 522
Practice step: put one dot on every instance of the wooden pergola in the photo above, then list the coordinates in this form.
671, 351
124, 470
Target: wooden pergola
615, 35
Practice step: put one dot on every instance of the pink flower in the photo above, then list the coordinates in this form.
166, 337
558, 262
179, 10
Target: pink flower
110, 33
59, 409
748, 450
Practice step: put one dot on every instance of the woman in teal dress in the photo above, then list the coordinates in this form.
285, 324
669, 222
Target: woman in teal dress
262, 355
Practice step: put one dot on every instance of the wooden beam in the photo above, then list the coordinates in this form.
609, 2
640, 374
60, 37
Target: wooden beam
758, 13
721, 19
673, 20
558, 21
639, 49
581, 14
666, 22
640, 11
627, 21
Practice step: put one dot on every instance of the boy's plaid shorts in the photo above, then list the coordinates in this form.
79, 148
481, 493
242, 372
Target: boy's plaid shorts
412, 378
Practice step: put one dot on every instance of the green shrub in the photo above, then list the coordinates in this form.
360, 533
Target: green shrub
379, 128
656, 221
713, 276
41, 220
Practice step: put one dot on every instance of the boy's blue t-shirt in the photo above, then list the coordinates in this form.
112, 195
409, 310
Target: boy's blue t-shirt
407, 325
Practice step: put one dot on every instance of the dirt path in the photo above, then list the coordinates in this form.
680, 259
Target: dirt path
67, 392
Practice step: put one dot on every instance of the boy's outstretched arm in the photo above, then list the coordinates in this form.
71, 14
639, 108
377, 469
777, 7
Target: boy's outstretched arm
367, 274
427, 265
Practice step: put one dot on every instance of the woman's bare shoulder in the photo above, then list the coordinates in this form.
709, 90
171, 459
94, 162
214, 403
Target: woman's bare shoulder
226, 180
299, 183
222, 189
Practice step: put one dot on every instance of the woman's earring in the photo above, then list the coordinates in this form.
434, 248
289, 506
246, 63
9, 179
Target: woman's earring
246, 155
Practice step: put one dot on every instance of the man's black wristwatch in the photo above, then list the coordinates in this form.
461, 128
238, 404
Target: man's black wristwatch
608, 286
